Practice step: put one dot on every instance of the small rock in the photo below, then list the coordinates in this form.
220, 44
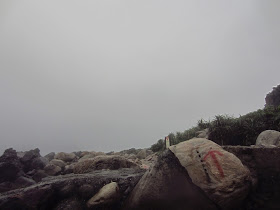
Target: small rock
50, 156
106, 196
52, 170
67, 157
57, 162
69, 169
203, 133
39, 163
142, 154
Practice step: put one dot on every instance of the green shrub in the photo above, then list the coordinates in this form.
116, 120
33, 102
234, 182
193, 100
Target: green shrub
227, 130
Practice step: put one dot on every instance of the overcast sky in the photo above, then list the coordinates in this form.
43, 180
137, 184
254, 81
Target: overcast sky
111, 75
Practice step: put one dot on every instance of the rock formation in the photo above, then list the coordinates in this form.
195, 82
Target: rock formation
273, 98
198, 174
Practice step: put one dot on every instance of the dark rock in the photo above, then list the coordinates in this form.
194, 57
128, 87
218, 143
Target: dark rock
29, 157
31, 173
39, 175
273, 98
86, 191
50, 156
264, 164
9, 172
10, 166
47, 195
39, 163
6, 186
67, 190
24, 182
78, 154
70, 204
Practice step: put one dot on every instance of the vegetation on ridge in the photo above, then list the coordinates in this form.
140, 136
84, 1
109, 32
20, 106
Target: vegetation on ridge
226, 130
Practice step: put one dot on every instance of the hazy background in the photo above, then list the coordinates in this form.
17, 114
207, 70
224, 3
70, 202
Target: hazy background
110, 75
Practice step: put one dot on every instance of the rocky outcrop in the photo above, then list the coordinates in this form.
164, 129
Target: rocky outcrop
10, 166
111, 162
74, 191
268, 138
273, 98
10, 171
197, 173
33, 160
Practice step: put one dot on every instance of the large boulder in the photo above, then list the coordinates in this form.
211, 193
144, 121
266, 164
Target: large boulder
112, 162
198, 174
220, 174
66, 157
268, 138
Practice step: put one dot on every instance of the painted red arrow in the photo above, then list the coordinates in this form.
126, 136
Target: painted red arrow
213, 156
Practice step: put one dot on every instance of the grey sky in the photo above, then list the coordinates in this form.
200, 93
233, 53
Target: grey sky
111, 75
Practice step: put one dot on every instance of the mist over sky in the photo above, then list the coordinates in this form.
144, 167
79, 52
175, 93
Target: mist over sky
111, 75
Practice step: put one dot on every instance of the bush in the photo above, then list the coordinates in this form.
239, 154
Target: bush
227, 130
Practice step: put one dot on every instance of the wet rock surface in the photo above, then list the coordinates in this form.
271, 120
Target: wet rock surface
59, 191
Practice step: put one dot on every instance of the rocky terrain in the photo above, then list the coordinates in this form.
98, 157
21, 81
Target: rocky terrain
195, 174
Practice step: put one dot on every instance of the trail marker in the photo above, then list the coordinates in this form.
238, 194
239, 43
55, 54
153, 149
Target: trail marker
167, 142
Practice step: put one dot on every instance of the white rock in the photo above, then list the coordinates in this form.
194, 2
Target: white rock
107, 195
268, 138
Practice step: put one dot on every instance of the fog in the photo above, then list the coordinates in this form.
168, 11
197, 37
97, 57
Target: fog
111, 75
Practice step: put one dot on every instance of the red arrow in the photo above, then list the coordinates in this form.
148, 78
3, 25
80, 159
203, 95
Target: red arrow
213, 156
